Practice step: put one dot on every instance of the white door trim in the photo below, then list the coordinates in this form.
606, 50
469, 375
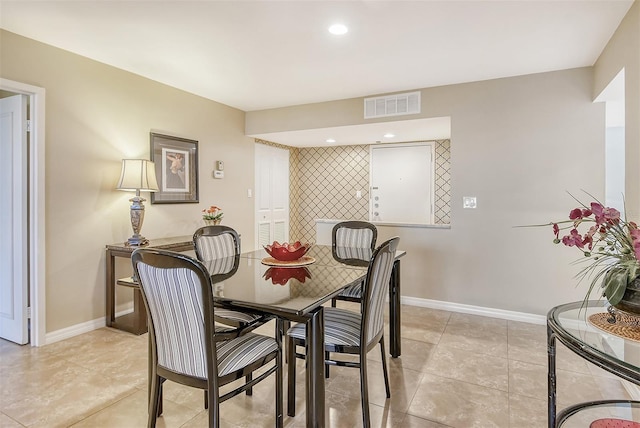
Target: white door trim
37, 295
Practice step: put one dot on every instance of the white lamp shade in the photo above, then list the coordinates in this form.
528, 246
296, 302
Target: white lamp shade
138, 174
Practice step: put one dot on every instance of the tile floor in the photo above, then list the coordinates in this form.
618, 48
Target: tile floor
456, 370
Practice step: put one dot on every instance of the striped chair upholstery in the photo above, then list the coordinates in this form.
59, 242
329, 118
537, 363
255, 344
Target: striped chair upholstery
353, 243
217, 246
350, 237
350, 332
211, 247
186, 347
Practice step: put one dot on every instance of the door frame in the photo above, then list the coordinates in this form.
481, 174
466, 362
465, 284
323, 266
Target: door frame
37, 247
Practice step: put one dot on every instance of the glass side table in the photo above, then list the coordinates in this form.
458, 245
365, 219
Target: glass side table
568, 323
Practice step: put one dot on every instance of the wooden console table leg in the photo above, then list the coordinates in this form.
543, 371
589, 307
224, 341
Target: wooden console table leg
110, 285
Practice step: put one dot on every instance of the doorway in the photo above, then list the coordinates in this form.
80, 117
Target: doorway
614, 98
272, 194
34, 220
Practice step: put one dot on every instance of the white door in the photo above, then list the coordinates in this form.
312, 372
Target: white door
272, 194
402, 183
14, 279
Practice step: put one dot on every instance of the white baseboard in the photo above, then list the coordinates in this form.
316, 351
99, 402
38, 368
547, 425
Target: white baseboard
97, 323
85, 327
475, 310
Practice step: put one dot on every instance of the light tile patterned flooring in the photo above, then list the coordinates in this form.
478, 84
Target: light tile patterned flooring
456, 370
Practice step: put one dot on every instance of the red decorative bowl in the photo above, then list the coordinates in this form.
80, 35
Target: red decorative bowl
287, 252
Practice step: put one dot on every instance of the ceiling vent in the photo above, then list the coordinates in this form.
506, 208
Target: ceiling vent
392, 105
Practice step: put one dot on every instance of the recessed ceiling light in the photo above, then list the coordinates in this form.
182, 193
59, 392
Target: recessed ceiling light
330, 140
338, 29
389, 135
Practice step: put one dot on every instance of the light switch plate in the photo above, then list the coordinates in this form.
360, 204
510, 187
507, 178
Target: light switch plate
469, 202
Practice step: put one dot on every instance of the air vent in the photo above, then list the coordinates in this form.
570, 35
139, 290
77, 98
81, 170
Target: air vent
392, 105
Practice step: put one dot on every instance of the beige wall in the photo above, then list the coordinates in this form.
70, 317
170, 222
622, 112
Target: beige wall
517, 144
623, 51
95, 116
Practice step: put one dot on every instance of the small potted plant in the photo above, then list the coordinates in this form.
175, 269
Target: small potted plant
212, 215
611, 247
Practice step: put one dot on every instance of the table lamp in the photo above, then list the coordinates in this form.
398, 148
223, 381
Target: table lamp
137, 175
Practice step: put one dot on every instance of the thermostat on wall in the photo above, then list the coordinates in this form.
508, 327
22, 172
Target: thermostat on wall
218, 174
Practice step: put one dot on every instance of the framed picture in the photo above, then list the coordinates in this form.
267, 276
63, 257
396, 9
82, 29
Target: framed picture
176, 161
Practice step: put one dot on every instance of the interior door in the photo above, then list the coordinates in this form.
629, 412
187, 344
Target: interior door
401, 183
14, 278
272, 194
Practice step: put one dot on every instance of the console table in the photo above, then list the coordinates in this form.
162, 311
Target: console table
569, 324
136, 321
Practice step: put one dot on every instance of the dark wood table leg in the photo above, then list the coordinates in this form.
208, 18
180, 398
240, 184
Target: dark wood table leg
110, 285
395, 311
315, 369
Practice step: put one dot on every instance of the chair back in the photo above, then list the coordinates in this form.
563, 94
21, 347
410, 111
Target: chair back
216, 242
376, 288
352, 242
177, 292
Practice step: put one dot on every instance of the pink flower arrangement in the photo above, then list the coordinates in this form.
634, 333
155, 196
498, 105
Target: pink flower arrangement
610, 243
212, 213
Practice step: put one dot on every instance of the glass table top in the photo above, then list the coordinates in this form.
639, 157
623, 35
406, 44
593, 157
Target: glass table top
604, 415
246, 282
571, 324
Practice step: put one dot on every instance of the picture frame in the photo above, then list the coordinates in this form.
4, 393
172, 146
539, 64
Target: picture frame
176, 163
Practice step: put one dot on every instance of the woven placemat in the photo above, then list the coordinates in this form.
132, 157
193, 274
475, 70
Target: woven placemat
626, 326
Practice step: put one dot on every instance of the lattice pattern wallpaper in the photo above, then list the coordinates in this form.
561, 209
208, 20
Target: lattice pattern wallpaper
442, 191
324, 182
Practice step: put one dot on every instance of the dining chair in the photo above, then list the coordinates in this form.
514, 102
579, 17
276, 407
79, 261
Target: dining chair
352, 243
186, 346
222, 243
347, 332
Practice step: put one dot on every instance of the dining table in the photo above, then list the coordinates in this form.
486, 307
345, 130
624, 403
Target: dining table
297, 294
328, 255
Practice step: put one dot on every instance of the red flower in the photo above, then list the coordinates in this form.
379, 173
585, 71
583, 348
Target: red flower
556, 229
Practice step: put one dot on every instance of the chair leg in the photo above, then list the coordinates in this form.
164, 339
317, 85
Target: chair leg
291, 377
384, 367
279, 382
248, 379
154, 398
326, 366
160, 381
214, 410
364, 392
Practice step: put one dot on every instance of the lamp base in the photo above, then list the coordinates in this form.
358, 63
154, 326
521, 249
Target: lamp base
137, 241
137, 217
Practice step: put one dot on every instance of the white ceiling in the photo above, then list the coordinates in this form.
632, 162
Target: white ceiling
255, 55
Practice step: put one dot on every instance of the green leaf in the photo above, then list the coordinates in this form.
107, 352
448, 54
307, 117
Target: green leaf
615, 284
